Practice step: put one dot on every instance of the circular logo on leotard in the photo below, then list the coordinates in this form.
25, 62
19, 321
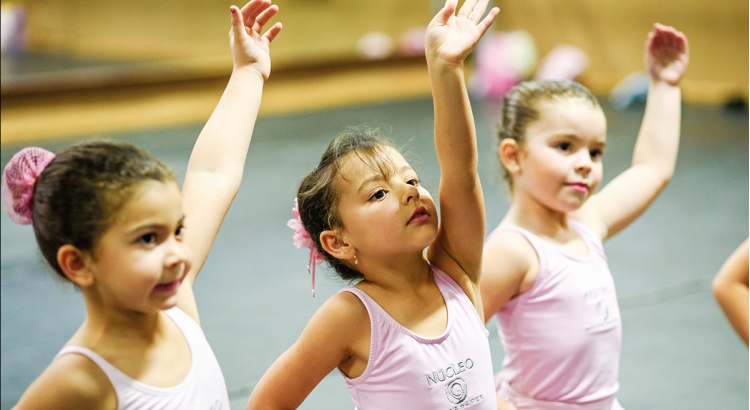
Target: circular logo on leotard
456, 391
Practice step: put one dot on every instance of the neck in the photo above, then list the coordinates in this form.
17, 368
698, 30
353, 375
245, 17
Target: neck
397, 273
535, 217
105, 322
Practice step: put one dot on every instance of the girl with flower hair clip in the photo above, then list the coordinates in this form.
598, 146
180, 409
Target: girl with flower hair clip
410, 332
110, 218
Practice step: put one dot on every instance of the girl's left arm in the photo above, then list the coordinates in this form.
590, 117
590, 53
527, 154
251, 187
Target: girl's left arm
655, 155
217, 162
450, 38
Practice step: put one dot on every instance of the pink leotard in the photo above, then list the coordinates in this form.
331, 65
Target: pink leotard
203, 388
409, 371
562, 337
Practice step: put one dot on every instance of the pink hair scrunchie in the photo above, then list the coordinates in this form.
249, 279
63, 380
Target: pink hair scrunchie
19, 177
302, 239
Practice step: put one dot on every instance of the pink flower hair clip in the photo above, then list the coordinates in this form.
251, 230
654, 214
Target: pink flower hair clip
19, 177
302, 239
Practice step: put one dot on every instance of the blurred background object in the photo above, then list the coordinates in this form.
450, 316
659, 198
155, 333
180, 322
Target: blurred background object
144, 63
12, 28
503, 60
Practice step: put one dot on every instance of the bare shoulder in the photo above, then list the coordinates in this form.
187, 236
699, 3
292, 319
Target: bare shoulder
71, 381
343, 311
509, 267
508, 251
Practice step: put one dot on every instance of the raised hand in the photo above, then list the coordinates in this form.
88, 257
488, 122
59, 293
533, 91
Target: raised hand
666, 54
249, 46
452, 37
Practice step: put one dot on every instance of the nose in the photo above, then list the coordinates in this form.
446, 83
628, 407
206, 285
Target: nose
178, 253
411, 193
583, 162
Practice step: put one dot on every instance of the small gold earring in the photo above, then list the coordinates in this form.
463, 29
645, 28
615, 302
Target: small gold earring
356, 261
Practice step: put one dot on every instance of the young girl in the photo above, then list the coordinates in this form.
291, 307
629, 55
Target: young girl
410, 333
545, 274
110, 218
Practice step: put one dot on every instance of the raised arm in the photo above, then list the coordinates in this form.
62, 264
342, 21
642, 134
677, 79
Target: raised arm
217, 162
449, 40
655, 154
730, 287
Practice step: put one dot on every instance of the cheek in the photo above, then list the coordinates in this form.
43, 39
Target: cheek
188, 257
598, 174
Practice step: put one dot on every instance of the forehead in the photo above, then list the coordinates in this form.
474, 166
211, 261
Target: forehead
358, 166
571, 116
150, 201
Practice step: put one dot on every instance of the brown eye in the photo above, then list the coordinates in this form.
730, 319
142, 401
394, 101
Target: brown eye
380, 194
147, 239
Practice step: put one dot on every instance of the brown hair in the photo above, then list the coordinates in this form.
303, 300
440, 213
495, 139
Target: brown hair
318, 196
521, 106
78, 194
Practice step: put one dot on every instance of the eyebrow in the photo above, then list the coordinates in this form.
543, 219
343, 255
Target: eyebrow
380, 177
601, 143
154, 226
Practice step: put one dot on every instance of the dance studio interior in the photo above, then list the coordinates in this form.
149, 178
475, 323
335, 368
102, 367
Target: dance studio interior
150, 74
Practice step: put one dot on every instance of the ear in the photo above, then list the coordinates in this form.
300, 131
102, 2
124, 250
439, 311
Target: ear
509, 153
73, 263
334, 244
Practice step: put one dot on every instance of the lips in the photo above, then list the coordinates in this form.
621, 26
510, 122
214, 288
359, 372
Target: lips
168, 287
578, 186
420, 215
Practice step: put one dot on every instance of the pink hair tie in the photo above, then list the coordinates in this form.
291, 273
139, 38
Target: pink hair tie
302, 239
19, 177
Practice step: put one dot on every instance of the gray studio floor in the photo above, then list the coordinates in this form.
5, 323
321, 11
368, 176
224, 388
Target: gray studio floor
254, 291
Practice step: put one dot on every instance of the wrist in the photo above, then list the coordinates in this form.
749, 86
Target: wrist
249, 71
443, 66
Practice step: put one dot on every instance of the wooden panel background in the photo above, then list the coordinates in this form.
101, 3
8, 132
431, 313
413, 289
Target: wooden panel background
325, 31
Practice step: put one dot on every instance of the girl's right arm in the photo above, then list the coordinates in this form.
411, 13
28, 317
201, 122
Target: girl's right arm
334, 335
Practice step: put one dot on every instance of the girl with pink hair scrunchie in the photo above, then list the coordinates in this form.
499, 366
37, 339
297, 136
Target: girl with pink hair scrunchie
109, 217
19, 177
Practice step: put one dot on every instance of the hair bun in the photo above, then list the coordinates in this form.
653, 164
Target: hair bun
19, 177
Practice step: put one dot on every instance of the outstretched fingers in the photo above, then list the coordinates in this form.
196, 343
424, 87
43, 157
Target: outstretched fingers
445, 14
238, 26
253, 16
485, 24
272, 32
263, 18
469, 9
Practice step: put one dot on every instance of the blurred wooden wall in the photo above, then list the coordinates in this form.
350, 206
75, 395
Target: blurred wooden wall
612, 33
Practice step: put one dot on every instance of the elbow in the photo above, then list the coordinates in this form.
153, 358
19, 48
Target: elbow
662, 177
718, 287
664, 174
